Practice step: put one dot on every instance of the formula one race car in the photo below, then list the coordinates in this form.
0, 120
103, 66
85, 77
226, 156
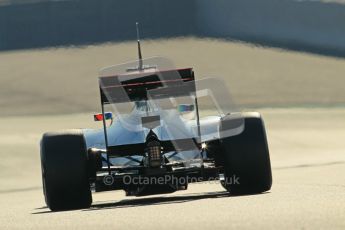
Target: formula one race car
162, 130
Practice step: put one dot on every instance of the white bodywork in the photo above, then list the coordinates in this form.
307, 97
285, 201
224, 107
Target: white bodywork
128, 130
127, 127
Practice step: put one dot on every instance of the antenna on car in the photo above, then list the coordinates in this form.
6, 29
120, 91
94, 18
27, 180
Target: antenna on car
139, 48
141, 65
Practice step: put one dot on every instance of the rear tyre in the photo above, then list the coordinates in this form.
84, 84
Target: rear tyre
64, 171
247, 167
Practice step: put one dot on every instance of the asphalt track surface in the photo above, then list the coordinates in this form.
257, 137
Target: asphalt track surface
308, 160
64, 80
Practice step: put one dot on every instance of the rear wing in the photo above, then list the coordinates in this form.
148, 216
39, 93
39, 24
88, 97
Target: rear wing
135, 86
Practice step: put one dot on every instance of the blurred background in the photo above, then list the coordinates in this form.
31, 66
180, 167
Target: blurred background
271, 52
283, 58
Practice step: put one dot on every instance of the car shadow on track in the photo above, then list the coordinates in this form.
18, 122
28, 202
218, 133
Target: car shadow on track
148, 201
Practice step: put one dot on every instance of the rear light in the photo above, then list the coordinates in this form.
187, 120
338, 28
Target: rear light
154, 153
